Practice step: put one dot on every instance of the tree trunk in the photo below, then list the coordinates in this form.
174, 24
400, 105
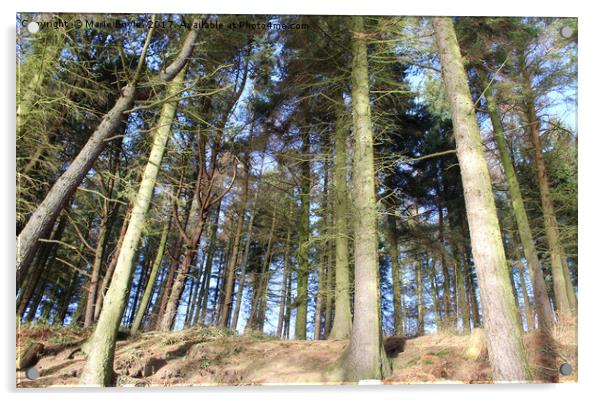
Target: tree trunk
45, 256
447, 307
392, 235
245, 259
257, 318
151, 279
98, 259
208, 267
177, 290
232, 266
100, 294
319, 298
98, 370
435, 296
287, 314
285, 274
63, 307
525, 294
565, 303
330, 286
419, 298
216, 290
504, 339
542, 302
142, 282
365, 356
341, 326
304, 238
472, 295
461, 293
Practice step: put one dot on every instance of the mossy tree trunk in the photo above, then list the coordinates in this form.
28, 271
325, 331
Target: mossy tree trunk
365, 356
100, 294
341, 326
542, 302
98, 369
504, 338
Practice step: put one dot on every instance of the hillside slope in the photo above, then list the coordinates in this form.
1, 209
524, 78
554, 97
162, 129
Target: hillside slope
208, 356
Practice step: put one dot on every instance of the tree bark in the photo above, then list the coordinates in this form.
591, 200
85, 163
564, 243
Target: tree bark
435, 296
542, 302
208, 268
525, 294
365, 356
504, 339
393, 239
245, 258
341, 326
100, 294
285, 274
565, 301
98, 370
232, 266
151, 279
98, 259
419, 298
304, 238
461, 293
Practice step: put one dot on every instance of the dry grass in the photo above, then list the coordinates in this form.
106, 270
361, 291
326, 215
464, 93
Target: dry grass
205, 356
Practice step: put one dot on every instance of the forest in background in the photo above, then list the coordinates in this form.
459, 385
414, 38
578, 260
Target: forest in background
345, 178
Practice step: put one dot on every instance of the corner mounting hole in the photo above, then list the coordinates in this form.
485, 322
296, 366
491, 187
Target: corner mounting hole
32, 373
566, 369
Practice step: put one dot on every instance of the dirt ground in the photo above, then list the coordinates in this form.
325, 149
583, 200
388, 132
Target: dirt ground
202, 356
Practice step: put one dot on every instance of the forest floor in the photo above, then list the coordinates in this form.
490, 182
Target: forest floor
208, 356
